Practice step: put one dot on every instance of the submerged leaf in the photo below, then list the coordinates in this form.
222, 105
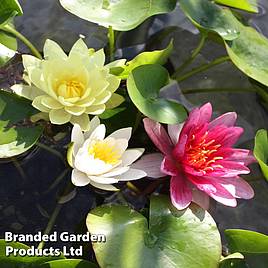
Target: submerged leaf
247, 48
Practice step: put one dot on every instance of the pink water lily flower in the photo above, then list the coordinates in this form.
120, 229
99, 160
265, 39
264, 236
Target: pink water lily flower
199, 157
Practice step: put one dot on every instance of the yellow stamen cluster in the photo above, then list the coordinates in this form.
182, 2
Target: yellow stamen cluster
104, 151
70, 89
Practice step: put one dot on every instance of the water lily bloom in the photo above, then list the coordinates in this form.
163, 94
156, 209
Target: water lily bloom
69, 88
199, 157
101, 161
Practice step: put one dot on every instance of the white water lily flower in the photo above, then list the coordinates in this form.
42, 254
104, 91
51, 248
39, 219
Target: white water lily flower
101, 161
69, 88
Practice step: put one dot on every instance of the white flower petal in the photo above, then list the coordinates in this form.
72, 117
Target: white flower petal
123, 133
103, 180
120, 145
150, 164
132, 174
79, 178
131, 155
107, 187
94, 123
115, 172
77, 138
98, 133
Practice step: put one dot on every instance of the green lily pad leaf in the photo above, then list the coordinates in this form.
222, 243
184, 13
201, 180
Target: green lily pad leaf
248, 50
69, 263
233, 263
153, 57
248, 5
261, 151
111, 112
144, 85
16, 137
211, 17
170, 238
17, 261
246, 241
122, 15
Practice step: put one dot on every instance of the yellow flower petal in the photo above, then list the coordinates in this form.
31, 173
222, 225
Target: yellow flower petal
37, 103
103, 98
82, 121
51, 103
114, 83
75, 110
28, 92
59, 117
95, 109
79, 49
114, 101
53, 51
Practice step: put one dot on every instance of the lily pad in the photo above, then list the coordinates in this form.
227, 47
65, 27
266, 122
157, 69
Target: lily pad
144, 85
122, 15
170, 238
150, 57
248, 5
17, 261
247, 48
261, 150
16, 137
246, 241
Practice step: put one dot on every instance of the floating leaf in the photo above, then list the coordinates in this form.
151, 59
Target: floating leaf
122, 15
248, 5
170, 238
246, 241
247, 48
15, 137
153, 57
261, 151
18, 261
144, 84
70, 263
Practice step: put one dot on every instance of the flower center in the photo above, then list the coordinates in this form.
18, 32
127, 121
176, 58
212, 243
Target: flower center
201, 154
104, 151
70, 89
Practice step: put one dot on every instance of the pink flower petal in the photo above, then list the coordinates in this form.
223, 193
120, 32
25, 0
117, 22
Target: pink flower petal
227, 119
200, 198
205, 113
174, 132
179, 149
168, 167
237, 187
180, 193
158, 135
150, 164
214, 190
238, 155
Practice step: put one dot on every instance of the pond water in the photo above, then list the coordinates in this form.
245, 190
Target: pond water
24, 203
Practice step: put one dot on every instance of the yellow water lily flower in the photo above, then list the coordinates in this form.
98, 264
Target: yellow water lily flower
102, 161
69, 88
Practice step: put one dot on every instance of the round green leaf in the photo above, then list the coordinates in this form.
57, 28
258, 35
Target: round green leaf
261, 150
20, 261
144, 85
248, 5
15, 137
69, 263
247, 48
170, 238
245, 241
122, 15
